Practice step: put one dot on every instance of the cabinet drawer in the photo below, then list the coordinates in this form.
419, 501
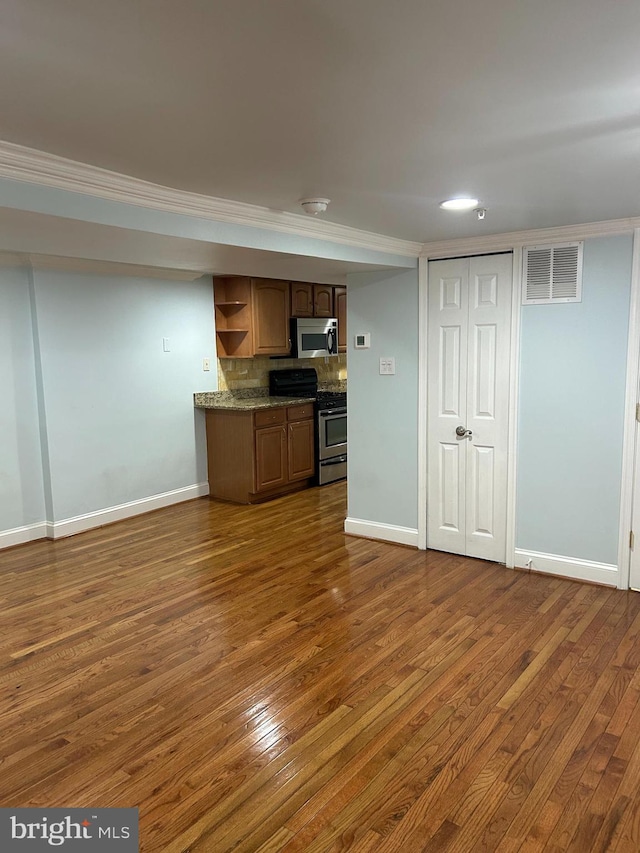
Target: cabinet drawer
268, 417
300, 413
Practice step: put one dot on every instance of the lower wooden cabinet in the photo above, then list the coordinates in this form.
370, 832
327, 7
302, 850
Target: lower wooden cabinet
260, 454
271, 458
300, 446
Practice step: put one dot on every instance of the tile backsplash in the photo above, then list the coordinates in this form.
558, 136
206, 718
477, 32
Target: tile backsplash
235, 373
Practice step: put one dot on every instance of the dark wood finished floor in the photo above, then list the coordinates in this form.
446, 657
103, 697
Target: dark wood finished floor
254, 680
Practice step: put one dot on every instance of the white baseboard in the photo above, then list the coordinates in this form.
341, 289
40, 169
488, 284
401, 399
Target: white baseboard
20, 535
80, 523
386, 532
567, 567
70, 526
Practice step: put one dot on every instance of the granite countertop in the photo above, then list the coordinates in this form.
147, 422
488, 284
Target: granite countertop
245, 400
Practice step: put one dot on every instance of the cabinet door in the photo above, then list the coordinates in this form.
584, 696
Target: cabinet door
340, 304
271, 457
301, 299
322, 300
270, 317
300, 451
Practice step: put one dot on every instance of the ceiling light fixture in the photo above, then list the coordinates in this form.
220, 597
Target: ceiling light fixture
314, 206
459, 203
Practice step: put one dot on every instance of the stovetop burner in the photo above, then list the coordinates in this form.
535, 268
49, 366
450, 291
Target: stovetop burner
331, 399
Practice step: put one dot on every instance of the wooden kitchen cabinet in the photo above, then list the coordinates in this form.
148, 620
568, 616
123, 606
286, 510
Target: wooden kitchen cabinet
270, 317
233, 317
311, 300
271, 458
301, 299
251, 316
323, 300
340, 305
256, 455
300, 442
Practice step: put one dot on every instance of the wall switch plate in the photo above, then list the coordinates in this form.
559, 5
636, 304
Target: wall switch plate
206, 364
387, 366
165, 345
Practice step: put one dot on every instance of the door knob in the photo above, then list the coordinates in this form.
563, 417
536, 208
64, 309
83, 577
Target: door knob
463, 432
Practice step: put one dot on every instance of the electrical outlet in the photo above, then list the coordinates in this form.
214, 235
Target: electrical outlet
387, 366
206, 364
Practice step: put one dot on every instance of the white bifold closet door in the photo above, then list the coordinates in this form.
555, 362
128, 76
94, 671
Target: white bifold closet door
469, 331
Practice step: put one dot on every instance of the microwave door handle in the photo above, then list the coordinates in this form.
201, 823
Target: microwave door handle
332, 336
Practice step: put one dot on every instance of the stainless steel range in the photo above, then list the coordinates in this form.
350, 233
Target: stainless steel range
331, 436
331, 419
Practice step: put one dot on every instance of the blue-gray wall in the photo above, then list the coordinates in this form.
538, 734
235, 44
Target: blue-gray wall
383, 410
571, 407
21, 484
572, 390
94, 412
119, 410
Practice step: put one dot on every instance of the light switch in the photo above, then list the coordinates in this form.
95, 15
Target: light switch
387, 366
165, 345
206, 364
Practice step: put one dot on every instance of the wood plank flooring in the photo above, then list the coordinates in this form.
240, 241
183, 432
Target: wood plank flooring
254, 680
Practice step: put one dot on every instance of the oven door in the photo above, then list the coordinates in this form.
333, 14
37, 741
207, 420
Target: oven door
332, 433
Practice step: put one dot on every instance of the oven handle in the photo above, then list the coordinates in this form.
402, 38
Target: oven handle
328, 412
335, 460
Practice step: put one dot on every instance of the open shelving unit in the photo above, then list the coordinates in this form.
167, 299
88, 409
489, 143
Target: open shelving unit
232, 300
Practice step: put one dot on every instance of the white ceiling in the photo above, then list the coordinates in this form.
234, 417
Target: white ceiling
386, 107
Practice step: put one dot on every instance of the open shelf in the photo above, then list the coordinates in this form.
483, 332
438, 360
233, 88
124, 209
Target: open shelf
232, 299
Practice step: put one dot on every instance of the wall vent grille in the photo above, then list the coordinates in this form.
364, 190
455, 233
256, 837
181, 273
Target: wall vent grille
552, 274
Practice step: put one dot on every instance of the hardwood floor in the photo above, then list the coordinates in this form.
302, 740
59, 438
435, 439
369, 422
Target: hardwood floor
254, 680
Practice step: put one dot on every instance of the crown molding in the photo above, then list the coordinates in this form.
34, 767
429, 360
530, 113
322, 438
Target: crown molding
508, 241
19, 163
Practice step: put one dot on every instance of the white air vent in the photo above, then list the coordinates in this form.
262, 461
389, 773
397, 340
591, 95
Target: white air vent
552, 274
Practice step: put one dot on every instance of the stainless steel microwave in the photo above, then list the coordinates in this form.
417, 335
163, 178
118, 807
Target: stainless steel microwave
314, 337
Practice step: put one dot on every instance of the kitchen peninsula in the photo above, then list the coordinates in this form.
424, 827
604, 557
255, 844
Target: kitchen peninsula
259, 446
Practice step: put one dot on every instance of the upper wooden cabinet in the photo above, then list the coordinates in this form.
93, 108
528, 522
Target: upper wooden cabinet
251, 316
301, 299
323, 300
270, 317
340, 305
311, 300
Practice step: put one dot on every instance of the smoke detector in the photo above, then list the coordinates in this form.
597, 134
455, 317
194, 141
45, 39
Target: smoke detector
314, 206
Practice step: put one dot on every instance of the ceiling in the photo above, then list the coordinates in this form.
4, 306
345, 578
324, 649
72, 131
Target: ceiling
385, 107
